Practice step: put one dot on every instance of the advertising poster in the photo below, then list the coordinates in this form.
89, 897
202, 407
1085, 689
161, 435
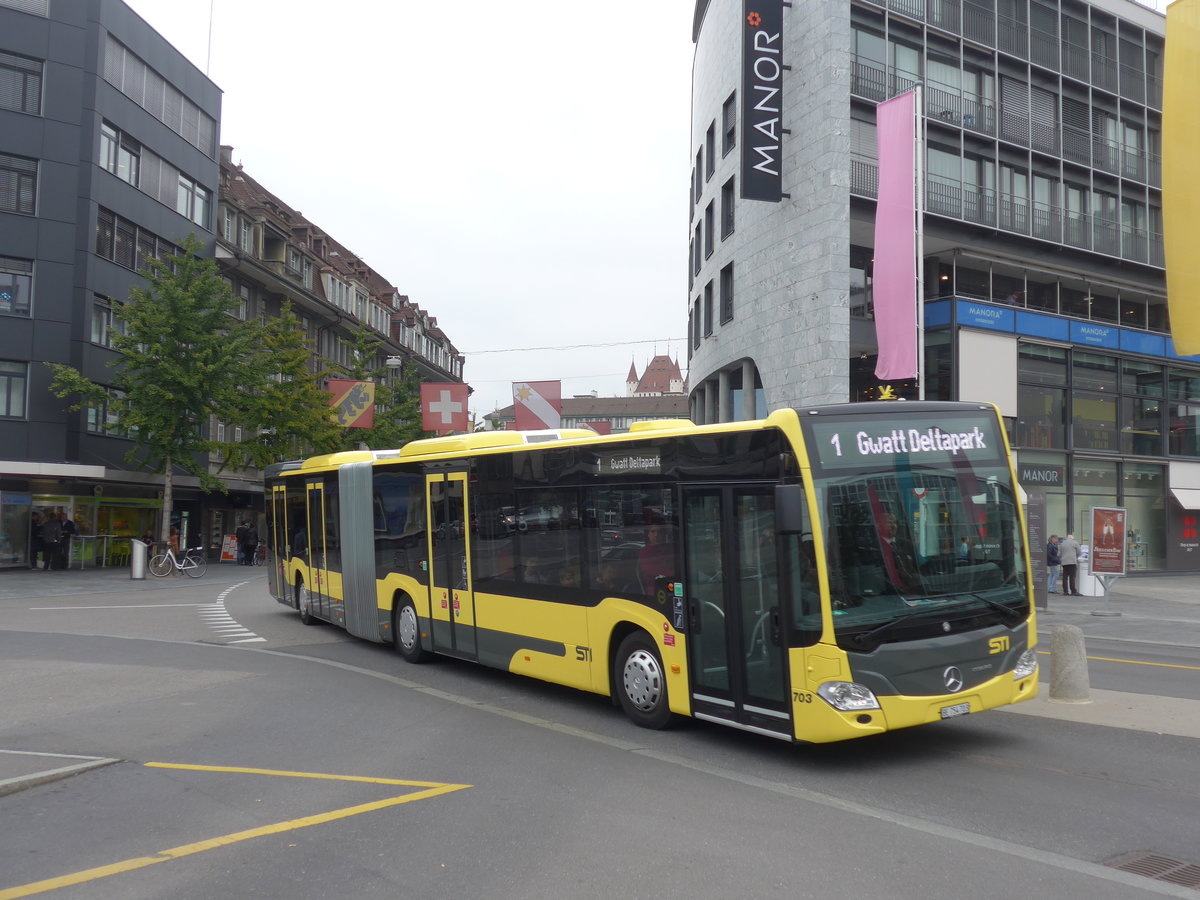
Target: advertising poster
1108, 540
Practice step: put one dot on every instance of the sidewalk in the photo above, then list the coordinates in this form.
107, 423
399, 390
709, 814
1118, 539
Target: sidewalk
1154, 609
22, 584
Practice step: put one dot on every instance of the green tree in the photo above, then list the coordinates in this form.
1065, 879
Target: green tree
182, 357
397, 395
288, 416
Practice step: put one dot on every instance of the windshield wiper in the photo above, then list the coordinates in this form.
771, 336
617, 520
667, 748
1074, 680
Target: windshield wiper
999, 607
864, 638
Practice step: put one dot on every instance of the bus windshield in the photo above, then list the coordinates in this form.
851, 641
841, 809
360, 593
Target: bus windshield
920, 523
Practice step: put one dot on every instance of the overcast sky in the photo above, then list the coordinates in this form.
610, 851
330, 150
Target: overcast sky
519, 169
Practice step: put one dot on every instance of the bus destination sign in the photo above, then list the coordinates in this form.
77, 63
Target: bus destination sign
845, 443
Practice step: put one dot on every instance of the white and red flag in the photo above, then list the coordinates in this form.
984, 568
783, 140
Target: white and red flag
537, 404
444, 407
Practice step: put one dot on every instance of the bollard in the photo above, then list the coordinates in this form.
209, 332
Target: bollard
137, 559
1068, 665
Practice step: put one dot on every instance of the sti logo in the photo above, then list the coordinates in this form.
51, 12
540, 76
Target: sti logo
998, 645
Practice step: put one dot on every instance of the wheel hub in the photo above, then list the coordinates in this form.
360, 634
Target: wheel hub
643, 680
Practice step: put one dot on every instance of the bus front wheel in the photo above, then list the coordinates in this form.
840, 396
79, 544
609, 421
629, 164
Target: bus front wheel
406, 633
642, 683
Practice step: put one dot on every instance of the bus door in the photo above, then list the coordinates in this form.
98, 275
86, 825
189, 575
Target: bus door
451, 598
317, 584
737, 658
277, 540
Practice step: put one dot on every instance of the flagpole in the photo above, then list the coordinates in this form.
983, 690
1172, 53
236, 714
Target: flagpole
919, 154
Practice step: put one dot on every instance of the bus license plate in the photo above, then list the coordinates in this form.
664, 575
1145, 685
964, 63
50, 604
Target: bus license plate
959, 709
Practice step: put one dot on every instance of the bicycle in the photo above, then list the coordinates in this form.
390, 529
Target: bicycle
193, 563
260, 556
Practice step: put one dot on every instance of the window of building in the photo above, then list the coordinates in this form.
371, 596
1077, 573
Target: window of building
18, 184
708, 309
1094, 421
727, 208
140, 83
1142, 426
727, 294
699, 243
1041, 416
120, 154
106, 320
245, 234
696, 323
103, 416
20, 83
710, 145
14, 378
122, 242
699, 170
16, 286
729, 124
1038, 364
709, 229
192, 200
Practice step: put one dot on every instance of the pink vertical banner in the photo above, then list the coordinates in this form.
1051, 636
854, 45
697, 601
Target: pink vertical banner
895, 280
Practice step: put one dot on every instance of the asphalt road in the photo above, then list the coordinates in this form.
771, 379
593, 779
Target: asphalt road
218, 707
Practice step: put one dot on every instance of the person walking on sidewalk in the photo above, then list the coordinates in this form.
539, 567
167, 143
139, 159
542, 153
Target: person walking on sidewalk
1068, 554
51, 538
1053, 561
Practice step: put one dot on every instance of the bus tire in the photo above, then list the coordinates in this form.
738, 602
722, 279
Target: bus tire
406, 633
304, 603
641, 682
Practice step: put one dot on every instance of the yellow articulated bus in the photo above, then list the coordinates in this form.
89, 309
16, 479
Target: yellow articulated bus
821, 574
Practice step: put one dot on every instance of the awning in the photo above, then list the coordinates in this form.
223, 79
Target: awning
1189, 498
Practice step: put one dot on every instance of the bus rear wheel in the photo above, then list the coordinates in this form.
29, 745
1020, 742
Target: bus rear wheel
406, 633
642, 683
304, 603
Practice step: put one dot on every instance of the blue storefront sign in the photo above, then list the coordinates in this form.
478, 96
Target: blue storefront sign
1094, 335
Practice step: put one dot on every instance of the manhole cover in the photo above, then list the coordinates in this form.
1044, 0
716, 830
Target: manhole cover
1162, 868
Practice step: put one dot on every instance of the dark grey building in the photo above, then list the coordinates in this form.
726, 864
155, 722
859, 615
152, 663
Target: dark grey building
108, 155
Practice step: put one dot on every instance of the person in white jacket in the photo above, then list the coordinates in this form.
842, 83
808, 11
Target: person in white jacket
1068, 554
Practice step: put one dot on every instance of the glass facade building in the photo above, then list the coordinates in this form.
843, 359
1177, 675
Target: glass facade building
1042, 272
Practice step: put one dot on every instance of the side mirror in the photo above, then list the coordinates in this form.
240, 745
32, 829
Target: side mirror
789, 509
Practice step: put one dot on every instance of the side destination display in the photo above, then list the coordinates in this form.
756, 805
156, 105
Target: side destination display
843, 442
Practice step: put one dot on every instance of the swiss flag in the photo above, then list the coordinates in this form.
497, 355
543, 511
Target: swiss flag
444, 407
537, 404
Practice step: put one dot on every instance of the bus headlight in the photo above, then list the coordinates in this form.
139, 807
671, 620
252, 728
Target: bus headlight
1025, 665
847, 696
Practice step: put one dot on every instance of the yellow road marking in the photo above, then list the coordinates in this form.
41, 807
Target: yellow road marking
1132, 662
431, 789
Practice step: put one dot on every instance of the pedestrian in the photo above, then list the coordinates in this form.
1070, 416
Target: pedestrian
239, 534
1068, 554
68, 532
51, 539
1053, 561
35, 539
249, 543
